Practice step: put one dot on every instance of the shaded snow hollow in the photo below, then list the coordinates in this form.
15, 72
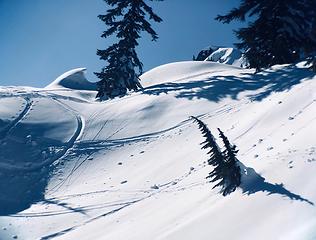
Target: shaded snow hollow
132, 167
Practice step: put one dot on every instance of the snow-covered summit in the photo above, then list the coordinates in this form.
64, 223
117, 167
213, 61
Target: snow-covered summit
73, 79
225, 55
231, 56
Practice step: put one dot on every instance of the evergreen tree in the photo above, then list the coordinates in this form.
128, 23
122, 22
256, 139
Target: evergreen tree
309, 49
216, 158
231, 170
126, 19
282, 31
226, 172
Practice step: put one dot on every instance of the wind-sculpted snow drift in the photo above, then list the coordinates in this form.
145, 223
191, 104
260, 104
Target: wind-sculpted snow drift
73, 79
132, 168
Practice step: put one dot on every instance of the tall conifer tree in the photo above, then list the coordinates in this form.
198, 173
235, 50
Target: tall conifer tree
282, 31
125, 19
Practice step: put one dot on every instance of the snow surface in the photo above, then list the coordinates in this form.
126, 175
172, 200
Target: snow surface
231, 56
132, 168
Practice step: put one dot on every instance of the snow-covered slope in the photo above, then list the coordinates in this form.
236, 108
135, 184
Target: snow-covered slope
231, 56
132, 167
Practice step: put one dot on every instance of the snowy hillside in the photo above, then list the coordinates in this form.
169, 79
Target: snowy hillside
132, 168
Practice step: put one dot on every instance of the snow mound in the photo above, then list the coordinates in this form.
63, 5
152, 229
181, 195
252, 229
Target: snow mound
73, 79
229, 56
181, 71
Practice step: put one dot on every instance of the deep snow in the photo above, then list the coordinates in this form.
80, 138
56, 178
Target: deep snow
132, 167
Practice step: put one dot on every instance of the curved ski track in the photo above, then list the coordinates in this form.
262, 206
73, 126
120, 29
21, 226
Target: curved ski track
4, 132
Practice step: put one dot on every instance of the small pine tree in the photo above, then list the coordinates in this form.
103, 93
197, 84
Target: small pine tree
231, 170
282, 31
226, 172
126, 19
216, 158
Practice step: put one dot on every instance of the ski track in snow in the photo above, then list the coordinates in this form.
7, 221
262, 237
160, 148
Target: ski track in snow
79, 162
66, 148
77, 134
163, 188
122, 204
15, 122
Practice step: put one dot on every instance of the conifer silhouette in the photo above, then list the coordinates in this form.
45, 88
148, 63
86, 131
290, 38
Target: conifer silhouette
226, 172
126, 19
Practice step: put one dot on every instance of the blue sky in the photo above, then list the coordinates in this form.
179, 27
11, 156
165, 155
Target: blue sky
41, 39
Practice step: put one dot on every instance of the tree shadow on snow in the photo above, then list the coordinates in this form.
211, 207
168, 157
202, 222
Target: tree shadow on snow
252, 182
219, 87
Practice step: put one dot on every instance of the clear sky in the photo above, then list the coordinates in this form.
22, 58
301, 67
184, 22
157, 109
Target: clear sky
41, 39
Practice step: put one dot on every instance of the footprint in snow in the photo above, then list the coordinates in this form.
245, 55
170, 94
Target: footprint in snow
154, 187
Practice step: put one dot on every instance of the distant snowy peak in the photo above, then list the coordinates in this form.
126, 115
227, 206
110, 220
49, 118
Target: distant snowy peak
73, 79
231, 56
226, 55
204, 53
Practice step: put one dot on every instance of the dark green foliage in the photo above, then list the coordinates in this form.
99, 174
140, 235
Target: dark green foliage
311, 60
282, 31
214, 152
231, 170
126, 19
226, 172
